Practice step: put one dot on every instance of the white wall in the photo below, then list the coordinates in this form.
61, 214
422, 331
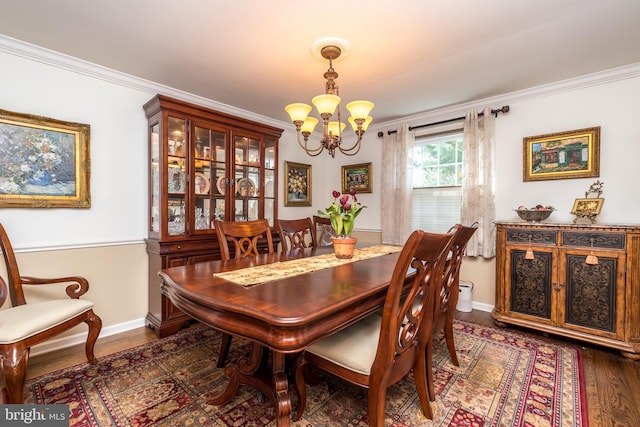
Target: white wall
608, 100
117, 150
612, 106
327, 176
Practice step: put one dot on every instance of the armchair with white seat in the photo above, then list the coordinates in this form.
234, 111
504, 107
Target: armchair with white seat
23, 324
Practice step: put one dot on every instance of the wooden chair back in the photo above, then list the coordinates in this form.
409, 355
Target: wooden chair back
451, 280
396, 341
25, 325
296, 234
407, 321
13, 273
448, 296
245, 237
324, 231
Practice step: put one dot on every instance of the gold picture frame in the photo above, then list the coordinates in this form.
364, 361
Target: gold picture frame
587, 206
562, 155
297, 184
358, 177
44, 162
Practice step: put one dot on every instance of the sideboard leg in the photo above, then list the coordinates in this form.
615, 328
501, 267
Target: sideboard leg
629, 355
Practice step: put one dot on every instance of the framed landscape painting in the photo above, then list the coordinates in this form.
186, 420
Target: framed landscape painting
563, 155
358, 177
44, 163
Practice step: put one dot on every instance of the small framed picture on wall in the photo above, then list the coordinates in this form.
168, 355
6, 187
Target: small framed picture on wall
357, 177
297, 184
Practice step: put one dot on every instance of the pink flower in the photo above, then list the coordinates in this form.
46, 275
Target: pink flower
343, 212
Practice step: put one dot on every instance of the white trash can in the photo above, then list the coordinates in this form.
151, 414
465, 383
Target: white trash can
465, 302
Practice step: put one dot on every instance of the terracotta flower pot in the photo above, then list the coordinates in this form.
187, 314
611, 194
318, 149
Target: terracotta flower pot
344, 247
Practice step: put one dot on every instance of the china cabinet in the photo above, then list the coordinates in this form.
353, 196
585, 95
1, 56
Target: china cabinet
203, 165
578, 281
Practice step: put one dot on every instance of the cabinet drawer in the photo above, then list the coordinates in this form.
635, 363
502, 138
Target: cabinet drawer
538, 237
600, 240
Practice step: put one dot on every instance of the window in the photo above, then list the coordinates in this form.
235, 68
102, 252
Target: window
437, 182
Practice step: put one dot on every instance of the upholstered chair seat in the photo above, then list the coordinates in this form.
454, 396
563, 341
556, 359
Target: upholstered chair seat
23, 321
353, 348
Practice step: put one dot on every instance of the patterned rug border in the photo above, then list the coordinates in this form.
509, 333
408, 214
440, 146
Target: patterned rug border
532, 336
510, 336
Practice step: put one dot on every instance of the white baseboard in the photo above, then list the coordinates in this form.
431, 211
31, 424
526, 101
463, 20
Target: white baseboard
81, 338
482, 306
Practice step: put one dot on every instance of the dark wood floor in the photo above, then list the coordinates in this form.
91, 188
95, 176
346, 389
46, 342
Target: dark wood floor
613, 382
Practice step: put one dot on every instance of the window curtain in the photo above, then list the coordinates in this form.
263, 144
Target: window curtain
396, 186
478, 182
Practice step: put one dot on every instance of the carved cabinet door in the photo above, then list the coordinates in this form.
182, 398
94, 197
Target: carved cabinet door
591, 297
531, 283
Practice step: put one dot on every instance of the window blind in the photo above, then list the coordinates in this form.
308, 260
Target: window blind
436, 209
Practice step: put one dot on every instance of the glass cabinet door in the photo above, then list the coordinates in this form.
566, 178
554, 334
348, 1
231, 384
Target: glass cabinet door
270, 188
155, 198
204, 166
247, 177
210, 182
176, 175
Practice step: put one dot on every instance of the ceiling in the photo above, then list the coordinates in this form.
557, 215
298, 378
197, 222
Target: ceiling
406, 56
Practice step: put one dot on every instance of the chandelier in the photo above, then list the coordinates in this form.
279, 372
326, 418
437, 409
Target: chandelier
327, 104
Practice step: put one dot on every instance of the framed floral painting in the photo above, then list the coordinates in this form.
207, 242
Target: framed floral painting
44, 163
297, 184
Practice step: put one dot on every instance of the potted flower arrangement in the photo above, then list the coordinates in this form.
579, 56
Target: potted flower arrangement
343, 213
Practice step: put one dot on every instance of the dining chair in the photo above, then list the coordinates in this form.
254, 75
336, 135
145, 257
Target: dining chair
296, 234
24, 325
324, 231
244, 236
449, 296
451, 283
378, 351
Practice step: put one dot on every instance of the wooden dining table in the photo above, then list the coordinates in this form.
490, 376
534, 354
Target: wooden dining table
278, 312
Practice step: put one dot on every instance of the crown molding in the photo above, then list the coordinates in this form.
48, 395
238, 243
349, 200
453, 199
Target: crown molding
66, 62
594, 79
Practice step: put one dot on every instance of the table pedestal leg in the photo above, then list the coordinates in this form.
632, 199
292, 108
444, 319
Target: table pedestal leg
272, 383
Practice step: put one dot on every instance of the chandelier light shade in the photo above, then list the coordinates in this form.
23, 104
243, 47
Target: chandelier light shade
298, 111
328, 105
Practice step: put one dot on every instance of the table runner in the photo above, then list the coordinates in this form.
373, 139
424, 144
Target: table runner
282, 270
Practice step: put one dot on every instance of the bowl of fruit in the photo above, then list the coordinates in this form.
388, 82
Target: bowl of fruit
537, 213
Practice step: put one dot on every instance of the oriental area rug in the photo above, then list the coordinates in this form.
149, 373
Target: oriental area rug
504, 379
